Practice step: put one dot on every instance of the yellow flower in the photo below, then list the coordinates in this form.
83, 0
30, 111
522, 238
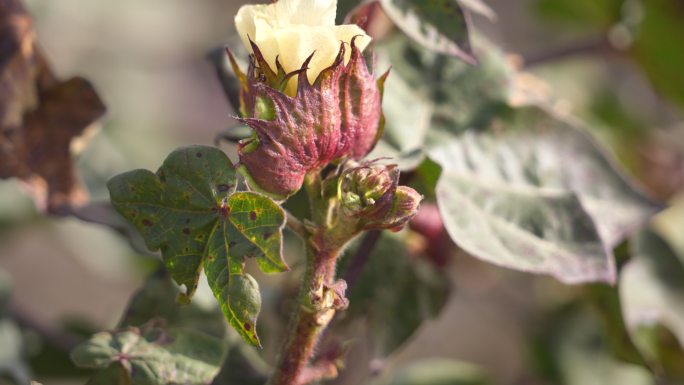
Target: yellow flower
294, 29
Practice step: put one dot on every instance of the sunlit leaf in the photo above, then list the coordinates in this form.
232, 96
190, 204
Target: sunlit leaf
190, 211
535, 193
439, 25
520, 187
154, 356
479, 7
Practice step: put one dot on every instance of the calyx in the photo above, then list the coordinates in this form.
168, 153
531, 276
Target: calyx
337, 117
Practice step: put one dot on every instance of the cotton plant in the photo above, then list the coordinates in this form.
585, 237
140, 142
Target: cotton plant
313, 103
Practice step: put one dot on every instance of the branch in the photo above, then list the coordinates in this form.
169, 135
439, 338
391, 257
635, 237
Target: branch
297, 227
324, 370
358, 260
598, 46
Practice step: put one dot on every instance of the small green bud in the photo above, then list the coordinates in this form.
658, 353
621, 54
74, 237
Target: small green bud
372, 194
361, 188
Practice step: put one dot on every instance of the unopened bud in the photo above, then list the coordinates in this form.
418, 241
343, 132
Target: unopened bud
337, 117
372, 194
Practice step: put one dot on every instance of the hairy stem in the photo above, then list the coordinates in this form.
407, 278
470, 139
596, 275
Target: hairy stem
311, 317
319, 296
297, 227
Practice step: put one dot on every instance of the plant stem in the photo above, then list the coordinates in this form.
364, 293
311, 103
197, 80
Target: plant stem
297, 227
358, 260
318, 299
311, 316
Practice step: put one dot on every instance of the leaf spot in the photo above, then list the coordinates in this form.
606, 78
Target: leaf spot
267, 235
147, 223
186, 231
247, 326
199, 155
223, 211
253, 215
224, 187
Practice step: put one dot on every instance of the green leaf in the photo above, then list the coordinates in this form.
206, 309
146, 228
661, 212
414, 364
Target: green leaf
439, 25
539, 196
656, 47
115, 374
584, 13
407, 120
439, 371
243, 366
430, 97
190, 211
154, 356
572, 343
12, 362
396, 293
157, 299
479, 7
652, 294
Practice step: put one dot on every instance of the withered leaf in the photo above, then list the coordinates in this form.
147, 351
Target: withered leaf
40, 116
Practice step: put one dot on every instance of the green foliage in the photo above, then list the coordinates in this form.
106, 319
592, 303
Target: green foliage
652, 29
577, 353
519, 185
152, 356
396, 292
585, 12
12, 361
652, 293
156, 300
528, 198
439, 25
656, 48
190, 210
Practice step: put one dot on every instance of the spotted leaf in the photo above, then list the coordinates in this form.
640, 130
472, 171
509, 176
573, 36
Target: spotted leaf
189, 210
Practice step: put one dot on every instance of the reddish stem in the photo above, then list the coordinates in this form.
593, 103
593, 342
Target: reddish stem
310, 319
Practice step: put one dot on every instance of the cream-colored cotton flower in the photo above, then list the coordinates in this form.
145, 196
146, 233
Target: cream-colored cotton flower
294, 29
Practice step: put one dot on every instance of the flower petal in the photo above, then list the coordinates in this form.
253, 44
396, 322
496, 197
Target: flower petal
306, 12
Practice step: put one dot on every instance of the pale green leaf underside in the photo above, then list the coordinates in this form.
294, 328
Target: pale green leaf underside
538, 196
155, 356
652, 292
190, 211
439, 25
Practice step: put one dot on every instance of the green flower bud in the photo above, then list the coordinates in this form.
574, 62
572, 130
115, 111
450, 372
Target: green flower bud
372, 194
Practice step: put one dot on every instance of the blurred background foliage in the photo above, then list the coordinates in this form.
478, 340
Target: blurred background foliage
615, 64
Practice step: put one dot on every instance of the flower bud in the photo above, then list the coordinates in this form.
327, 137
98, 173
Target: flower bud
360, 189
337, 117
289, 31
372, 194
